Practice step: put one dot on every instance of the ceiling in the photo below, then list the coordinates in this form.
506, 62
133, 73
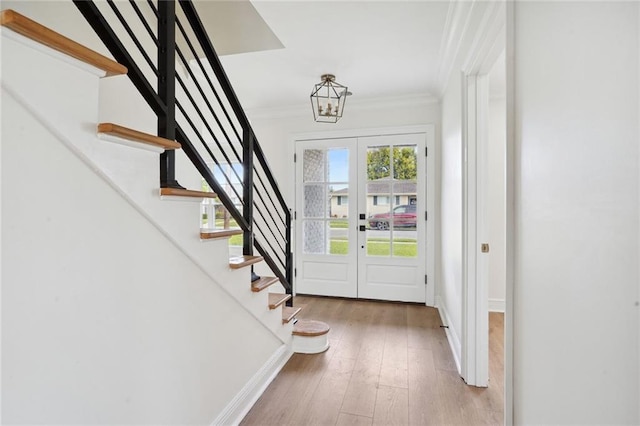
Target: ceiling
275, 51
379, 49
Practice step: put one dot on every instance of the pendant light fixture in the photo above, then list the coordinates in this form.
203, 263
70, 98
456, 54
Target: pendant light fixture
327, 99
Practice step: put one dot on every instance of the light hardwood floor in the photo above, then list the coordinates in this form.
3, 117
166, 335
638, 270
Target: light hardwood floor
388, 364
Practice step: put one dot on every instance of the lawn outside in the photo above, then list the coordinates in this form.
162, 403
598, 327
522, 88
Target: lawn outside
402, 247
339, 224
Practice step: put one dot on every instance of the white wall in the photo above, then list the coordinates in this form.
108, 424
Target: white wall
496, 202
576, 254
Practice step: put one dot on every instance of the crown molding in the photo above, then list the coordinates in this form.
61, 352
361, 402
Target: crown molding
489, 41
455, 27
485, 43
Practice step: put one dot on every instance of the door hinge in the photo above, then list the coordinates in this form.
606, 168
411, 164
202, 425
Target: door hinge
295, 215
426, 151
426, 279
295, 272
426, 216
295, 157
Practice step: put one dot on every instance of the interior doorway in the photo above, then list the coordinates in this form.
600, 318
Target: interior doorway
362, 228
484, 205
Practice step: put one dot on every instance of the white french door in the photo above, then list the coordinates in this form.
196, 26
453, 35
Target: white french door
361, 228
391, 221
326, 255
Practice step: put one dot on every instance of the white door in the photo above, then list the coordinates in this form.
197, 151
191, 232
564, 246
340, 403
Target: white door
361, 217
326, 255
391, 205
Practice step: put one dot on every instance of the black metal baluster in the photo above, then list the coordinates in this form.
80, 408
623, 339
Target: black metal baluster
289, 257
167, 88
247, 196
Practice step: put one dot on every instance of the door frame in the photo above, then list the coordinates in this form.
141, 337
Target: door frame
489, 44
474, 363
496, 35
429, 131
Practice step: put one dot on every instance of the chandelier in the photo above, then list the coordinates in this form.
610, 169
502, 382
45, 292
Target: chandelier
327, 99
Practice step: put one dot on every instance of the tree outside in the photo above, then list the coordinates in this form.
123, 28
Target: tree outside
404, 163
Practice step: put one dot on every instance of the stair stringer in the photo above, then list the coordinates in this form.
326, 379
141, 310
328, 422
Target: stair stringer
66, 102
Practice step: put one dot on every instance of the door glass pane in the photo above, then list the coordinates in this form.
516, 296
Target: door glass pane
315, 201
338, 237
314, 236
378, 163
338, 160
339, 201
378, 244
405, 196
405, 162
313, 165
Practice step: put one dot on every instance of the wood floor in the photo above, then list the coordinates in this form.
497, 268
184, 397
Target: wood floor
388, 364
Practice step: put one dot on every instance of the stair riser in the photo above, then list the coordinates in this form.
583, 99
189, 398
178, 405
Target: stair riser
120, 104
310, 345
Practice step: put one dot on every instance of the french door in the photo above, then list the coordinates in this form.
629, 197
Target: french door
361, 224
326, 234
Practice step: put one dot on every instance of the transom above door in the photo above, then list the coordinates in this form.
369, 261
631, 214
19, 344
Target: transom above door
361, 228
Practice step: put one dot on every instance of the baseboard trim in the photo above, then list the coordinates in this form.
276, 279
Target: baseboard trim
240, 405
452, 336
496, 305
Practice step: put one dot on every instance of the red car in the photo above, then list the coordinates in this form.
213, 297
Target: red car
402, 217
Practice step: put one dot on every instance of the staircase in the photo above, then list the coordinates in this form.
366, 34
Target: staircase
128, 168
34, 32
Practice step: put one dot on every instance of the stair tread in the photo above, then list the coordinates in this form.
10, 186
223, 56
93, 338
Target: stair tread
43, 35
277, 299
237, 262
137, 136
177, 192
213, 234
262, 283
310, 328
288, 313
